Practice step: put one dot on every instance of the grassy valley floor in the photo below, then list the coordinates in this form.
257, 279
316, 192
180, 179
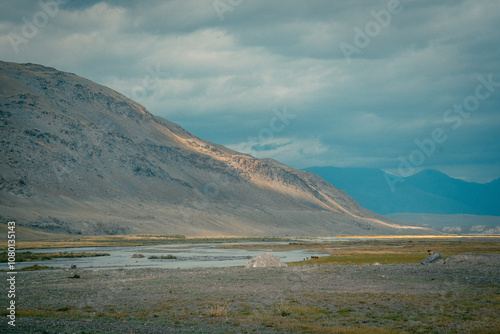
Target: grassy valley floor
338, 293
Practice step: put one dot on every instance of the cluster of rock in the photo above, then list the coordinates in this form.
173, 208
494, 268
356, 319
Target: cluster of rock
266, 260
465, 258
433, 259
474, 259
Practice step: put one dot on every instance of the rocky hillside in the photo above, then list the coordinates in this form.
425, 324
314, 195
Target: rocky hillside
78, 157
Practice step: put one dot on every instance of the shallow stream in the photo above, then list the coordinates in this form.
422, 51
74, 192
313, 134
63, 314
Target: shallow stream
187, 256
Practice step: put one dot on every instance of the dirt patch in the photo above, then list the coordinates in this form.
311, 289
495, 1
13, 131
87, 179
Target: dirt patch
458, 296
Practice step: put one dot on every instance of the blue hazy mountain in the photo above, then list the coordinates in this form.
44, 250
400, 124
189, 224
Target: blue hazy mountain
429, 191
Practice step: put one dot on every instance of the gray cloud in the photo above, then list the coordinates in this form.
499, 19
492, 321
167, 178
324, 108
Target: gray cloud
221, 79
268, 147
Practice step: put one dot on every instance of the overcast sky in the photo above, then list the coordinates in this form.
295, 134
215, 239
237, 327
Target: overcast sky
386, 84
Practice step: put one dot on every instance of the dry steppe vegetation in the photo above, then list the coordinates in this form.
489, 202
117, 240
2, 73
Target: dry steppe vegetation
338, 293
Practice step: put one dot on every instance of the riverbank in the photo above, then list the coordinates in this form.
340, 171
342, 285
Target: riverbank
461, 295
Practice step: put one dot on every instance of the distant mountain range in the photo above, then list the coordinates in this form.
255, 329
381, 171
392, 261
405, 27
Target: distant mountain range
429, 191
78, 157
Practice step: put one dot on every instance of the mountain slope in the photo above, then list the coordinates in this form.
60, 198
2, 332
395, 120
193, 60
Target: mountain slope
81, 158
429, 191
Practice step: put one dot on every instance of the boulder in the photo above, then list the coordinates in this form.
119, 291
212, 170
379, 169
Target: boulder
434, 258
266, 260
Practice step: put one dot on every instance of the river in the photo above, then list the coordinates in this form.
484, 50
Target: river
187, 256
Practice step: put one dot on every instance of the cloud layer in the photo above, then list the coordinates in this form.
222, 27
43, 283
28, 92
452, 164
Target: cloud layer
222, 68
